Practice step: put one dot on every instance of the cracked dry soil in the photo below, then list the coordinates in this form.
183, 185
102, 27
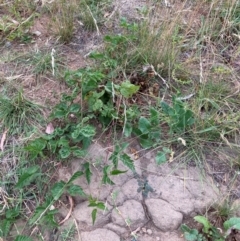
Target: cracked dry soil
177, 193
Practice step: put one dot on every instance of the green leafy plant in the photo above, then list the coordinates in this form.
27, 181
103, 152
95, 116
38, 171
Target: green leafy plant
179, 117
144, 187
209, 231
44, 213
148, 129
7, 221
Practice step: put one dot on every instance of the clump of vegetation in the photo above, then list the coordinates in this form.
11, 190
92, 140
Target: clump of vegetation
209, 231
18, 114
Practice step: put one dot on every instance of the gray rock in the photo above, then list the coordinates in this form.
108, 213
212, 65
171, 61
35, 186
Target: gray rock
97, 153
130, 188
149, 231
130, 213
186, 192
203, 193
100, 235
83, 215
163, 214
95, 188
173, 190
116, 198
115, 228
64, 174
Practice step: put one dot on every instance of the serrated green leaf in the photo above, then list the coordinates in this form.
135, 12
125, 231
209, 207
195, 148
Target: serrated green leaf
94, 215
75, 176
74, 108
64, 152
127, 89
99, 205
28, 176
88, 172
106, 179
166, 108
41, 211
37, 144
58, 189
97, 105
12, 213
232, 223
86, 142
204, 221
5, 227
192, 235
146, 143
37, 214
160, 157
126, 160
144, 125
75, 190
77, 152
23, 238
114, 158
117, 172
88, 131
128, 129
154, 117
63, 141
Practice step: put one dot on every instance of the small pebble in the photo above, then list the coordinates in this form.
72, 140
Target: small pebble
37, 33
8, 44
144, 230
149, 231
157, 238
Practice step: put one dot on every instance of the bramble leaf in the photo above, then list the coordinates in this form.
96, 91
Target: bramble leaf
23, 238
88, 172
126, 160
99, 205
28, 176
64, 152
75, 176
74, 108
232, 223
75, 190
117, 172
144, 125
127, 89
106, 178
58, 189
94, 215
161, 157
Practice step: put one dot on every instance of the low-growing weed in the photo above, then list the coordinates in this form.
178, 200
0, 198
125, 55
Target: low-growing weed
16, 21
19, 114
209, 231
